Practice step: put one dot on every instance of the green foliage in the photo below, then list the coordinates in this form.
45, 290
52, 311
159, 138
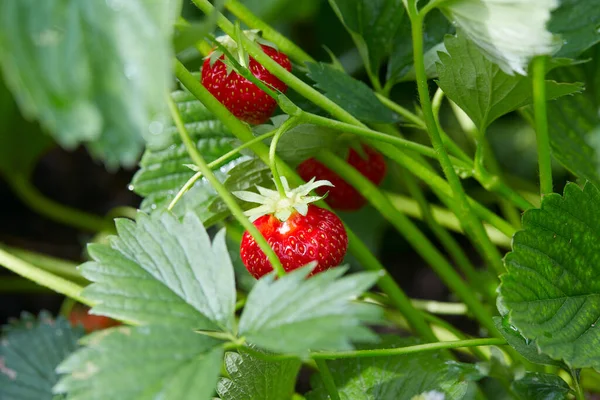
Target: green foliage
526, 347
574, 121
397, 377
96, 83
144, 362
481, 88
551, 288
30, 351
352, 95
163, 271
577, 24
254, 379
400, 66
294, 315
538, 386
373, 24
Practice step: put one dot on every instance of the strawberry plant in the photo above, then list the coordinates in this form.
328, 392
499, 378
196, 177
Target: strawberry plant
295, 162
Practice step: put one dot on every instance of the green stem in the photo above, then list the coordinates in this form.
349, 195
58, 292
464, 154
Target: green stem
431, 306
287, 125
42, 278
412, 234
227, 197
541, 124
448, 219
53, 210
355, 245
579, 392
455, 344
442, 189
436, 105
471, 223
216, 164
327, 379
396, 351
57, 266
283, 44
377, 136
447, 241
397, 108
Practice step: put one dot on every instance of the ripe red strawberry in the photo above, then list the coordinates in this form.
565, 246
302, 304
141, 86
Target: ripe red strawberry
242, 97
296, 230
342, 196
319, 236
90, 322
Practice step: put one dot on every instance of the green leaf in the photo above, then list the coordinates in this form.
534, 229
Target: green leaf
294, 315
21, 142
254, 379
86, 70
166, 362
163, 172
551, 288
509, 34
373, 25
159, 270
352, 95
538, 386
400, 66
574, 122
526, 347
577, 23
396, 377
29, 353
481, 88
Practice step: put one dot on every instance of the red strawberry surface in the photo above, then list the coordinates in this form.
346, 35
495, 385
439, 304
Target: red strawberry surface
319, 236
90, 322
242, 97
342, 196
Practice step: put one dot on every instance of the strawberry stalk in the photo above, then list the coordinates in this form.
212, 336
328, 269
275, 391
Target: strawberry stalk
227, 198
287, 125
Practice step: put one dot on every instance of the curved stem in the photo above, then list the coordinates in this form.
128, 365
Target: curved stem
327, 379
541, 124
43, 278
53, 210
355, 245
287, 125
396, 351
227, 197
471, 223
283, 44
216, 164
412, 234
454, 344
